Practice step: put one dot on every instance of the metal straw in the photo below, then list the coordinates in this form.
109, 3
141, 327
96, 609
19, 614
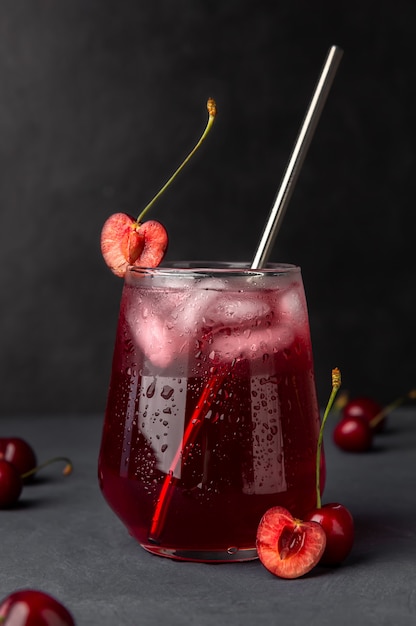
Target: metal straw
270, 231
295, 163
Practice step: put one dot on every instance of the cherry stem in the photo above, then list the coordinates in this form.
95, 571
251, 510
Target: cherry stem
390, 407
212, 112
336, 384
66, 471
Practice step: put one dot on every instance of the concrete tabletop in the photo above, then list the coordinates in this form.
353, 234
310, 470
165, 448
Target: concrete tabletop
62, 538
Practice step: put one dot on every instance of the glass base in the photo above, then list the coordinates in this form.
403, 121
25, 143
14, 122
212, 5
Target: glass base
231, 555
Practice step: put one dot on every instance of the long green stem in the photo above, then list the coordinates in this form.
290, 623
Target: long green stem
212, 111
393, 405
336, 384
66, 471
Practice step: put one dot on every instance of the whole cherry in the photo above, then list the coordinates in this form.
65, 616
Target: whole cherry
335, 519
19, 453
30, 607
362, 418
11, 484
127, 241
338, 524
353, 434
365, 408
11, 481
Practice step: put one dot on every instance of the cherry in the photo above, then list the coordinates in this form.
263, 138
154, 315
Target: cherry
362, 418
338, 524
18, 452
126, 241
11, 481
289, 547
365, 408
335, 519
29, 607
353, 434
11, 484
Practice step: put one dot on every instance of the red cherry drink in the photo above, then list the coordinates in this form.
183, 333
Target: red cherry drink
212, 415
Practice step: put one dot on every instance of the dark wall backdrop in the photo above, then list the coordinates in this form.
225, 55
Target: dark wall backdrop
99, 102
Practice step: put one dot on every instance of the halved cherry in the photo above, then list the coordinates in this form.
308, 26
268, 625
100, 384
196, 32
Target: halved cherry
126, 241
289, 547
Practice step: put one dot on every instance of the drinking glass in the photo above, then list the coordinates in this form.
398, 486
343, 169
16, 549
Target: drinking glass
212, 416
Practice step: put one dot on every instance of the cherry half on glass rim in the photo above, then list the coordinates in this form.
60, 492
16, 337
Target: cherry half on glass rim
127, 241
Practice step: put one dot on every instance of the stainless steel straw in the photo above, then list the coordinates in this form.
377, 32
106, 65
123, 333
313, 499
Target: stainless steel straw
270, 231
295, 163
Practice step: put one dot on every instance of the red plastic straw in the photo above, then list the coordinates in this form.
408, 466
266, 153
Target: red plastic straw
191, 432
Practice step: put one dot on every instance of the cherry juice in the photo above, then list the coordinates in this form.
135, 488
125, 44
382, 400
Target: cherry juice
212, 415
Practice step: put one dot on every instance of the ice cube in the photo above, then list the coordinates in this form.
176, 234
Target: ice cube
159, 342
292, 307
191, 314
250, 343
153, 327
234, 311
165, 322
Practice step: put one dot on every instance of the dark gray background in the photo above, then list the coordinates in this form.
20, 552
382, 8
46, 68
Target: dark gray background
99, 102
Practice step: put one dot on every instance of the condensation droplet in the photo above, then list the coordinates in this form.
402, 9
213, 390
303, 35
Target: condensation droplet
150, 391
166, 392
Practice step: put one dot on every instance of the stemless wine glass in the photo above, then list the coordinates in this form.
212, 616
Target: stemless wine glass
212, 416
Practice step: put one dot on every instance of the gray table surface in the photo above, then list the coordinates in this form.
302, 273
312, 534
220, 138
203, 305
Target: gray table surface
64, 539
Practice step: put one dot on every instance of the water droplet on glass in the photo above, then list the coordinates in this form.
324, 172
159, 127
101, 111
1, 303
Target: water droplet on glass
150, 391
166, 392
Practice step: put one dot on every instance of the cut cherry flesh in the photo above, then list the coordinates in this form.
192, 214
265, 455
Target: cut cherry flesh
125, 242
29, 607
353, 434
289, 547
338, 524
18, 452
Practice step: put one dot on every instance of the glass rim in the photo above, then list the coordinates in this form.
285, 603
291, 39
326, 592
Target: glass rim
208, 268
